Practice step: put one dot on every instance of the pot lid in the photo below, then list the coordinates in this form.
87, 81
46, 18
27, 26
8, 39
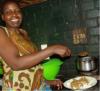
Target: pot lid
83, 53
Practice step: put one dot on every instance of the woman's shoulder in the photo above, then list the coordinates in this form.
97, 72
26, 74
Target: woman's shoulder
2, 30
23, 31
1, 27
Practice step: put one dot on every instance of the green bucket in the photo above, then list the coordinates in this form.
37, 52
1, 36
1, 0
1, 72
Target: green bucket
51, 68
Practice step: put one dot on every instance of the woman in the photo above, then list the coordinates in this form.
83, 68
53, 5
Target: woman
20, 58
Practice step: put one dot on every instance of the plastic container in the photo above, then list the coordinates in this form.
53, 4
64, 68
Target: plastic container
51, 68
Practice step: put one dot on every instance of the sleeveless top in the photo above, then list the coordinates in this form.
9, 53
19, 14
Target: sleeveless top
23, 80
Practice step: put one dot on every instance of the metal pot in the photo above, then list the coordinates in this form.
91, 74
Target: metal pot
87, 63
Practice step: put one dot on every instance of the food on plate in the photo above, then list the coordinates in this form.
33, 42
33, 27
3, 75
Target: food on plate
78, 83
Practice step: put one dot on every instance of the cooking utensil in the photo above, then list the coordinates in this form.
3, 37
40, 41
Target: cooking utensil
86, 63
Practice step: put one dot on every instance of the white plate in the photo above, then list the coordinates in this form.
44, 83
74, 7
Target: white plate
92, 81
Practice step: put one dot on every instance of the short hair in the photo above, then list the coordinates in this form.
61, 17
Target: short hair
6, 2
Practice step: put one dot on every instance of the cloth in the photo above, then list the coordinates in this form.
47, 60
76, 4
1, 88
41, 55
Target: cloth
42, 88
23, 80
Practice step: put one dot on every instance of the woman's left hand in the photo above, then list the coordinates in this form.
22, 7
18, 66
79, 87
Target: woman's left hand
57, 82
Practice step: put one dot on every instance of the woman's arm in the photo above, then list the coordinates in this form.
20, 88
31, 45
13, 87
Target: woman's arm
10, 54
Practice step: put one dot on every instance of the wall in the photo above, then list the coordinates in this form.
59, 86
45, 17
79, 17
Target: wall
52, 23
90, 12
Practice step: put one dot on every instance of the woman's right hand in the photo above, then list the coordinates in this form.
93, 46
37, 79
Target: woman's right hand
61, 50
56, 83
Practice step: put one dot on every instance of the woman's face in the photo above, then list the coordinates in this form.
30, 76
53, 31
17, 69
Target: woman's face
12, 15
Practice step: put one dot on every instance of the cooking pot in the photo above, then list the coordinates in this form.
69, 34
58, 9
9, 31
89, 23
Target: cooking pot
86, 63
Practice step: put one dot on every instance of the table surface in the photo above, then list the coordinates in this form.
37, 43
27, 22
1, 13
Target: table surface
94, 88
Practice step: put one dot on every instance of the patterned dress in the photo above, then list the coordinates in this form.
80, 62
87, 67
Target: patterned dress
23, 80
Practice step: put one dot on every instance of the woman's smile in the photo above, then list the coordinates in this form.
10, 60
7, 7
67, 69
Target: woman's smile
12, 15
